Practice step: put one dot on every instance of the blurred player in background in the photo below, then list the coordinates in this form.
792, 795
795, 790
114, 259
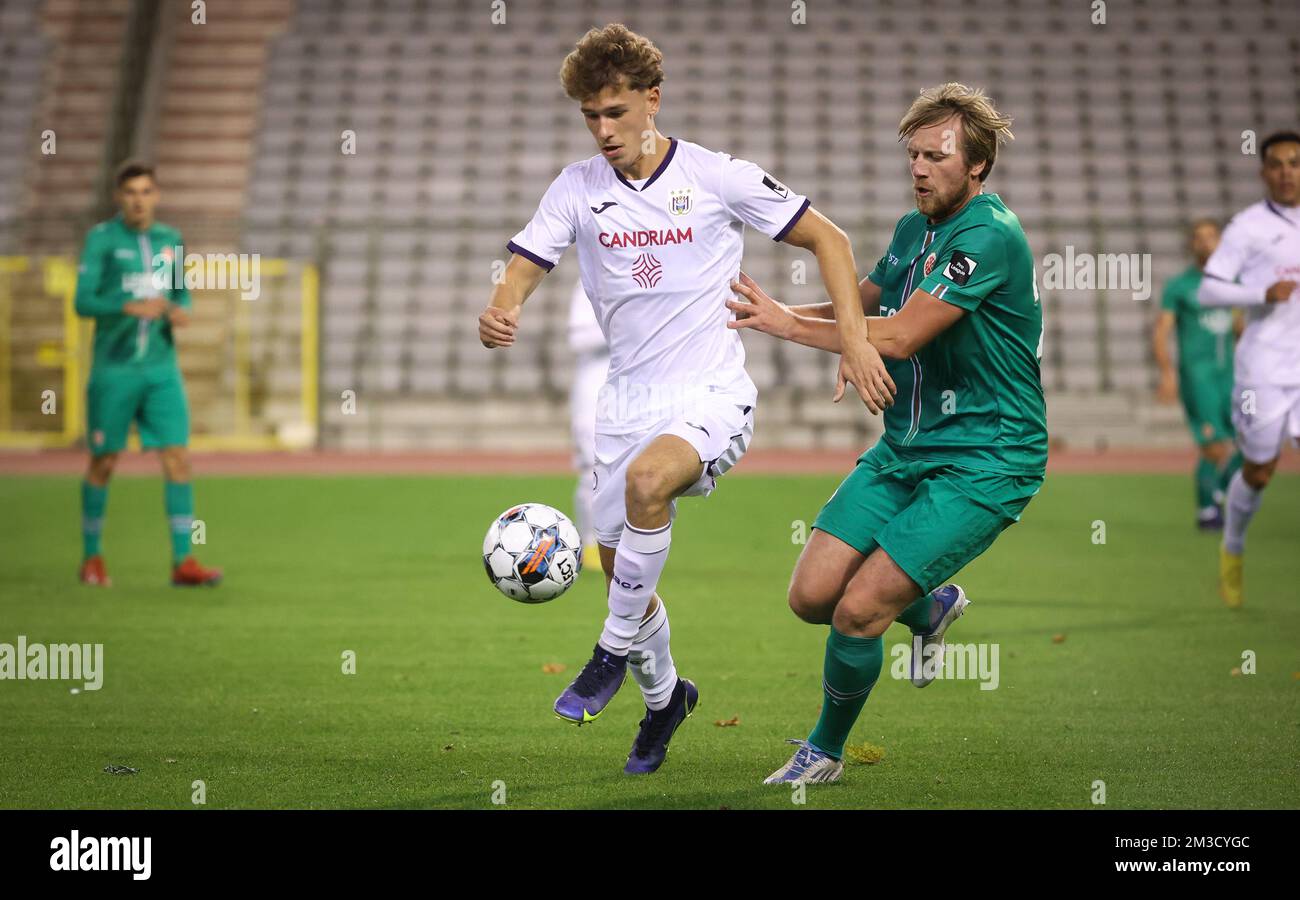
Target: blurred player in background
1257, 266
127, 283
1203, 379
953, 307
590, 363
659, 224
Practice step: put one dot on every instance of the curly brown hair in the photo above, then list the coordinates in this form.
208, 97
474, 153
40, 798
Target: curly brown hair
610, 56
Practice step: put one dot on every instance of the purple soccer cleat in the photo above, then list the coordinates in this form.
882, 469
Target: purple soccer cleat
927, 647
594, 687
657, 728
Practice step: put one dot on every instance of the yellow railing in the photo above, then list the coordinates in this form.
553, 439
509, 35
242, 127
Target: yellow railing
58, 280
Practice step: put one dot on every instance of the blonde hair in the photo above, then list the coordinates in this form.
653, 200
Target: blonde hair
982, 126
607, 56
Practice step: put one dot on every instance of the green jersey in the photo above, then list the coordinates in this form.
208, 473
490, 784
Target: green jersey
118, 265
1205, 338
973, 396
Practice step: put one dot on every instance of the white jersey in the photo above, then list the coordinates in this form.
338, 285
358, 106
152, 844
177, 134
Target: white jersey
1260, 246
657, 260
585, 336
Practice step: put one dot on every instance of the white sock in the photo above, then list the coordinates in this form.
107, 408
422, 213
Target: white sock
637, 566
1243, 500
651, 661
582, 508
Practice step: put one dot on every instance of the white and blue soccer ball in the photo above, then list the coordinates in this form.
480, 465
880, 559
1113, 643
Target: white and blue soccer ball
532, 553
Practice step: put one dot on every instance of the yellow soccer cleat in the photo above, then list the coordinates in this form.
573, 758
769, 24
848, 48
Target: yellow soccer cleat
1230, 578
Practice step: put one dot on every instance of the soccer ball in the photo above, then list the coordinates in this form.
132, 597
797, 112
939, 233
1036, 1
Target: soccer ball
532, 553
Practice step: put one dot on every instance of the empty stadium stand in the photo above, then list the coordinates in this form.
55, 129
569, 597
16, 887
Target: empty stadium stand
1125, 131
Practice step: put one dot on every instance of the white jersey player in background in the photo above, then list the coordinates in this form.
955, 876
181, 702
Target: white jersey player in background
659, 225
590, 363
1257, 266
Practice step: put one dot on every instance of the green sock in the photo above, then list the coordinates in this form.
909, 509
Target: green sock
917, 616
851, 669
1207, 482
178, 496
1229, 469
94, 500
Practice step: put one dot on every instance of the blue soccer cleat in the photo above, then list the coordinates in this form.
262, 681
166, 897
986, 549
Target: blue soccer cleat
657, 728
808, 766
594, 687
927, 647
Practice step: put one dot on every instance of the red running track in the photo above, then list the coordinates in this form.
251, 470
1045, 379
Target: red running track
758, 461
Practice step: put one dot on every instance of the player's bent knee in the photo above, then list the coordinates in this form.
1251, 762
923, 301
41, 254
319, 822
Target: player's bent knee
811, 606
646, 488
101, 467
175, 463
1257, 475
859, 616
1258, 480
1216, 453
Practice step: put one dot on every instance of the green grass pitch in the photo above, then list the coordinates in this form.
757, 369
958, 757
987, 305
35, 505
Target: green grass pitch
242, 687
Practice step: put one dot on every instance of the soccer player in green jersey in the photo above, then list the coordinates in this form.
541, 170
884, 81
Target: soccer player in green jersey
128, 283
953, 308
1203, 379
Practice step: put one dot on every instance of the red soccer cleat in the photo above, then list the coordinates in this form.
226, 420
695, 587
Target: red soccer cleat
94, 573
190, 574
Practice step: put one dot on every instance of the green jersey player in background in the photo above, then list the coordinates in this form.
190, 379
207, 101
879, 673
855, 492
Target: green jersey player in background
953, 308
1203, 379
127, 284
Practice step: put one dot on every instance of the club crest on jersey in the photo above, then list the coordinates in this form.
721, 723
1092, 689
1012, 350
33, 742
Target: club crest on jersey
679, 202
929, 263
647, 270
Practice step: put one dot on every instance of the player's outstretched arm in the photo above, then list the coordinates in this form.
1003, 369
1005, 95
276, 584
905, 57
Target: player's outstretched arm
920, 320
860, 363
756, 309
497, 324
868, 290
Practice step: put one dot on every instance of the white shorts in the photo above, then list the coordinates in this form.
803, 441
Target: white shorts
718, 429
1264, 417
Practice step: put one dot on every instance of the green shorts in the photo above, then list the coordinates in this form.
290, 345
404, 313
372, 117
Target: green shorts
932, 517
153, 397
1207, 401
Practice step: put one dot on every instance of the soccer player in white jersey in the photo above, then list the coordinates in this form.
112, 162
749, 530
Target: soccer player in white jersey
1257, 266
590, 363
659, 224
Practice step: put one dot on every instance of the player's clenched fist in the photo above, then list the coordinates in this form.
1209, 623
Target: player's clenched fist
496, 326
